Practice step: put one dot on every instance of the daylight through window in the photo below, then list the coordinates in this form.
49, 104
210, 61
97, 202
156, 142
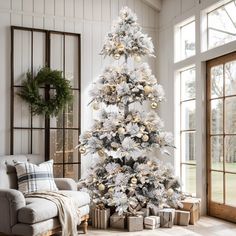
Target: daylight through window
188, 130
222, 25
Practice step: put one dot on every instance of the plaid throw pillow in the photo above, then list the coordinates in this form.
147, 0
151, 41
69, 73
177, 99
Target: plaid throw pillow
34, 178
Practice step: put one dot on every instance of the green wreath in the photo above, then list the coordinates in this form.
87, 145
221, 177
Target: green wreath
46, 77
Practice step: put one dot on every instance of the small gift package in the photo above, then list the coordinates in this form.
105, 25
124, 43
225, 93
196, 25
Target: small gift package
135, 223
118, 221
100, 218
182, 217
167, 216
193, 205
152, 222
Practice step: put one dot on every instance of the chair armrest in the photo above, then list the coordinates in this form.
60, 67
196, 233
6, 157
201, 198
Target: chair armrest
11, 201
66, 184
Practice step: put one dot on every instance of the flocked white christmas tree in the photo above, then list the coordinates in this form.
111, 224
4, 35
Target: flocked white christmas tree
124, 176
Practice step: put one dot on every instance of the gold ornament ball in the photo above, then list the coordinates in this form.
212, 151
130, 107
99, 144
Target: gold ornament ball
101, 153
147, 89
117, 56
121, 130
136, 119
153, 105
145, 138
82, 150
111, 190
137, 58
96, 106
149, 163
170, 192
101, 187
120, 48
134, 180
107, 89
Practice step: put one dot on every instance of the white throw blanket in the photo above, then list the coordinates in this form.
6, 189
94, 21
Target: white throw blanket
67, 208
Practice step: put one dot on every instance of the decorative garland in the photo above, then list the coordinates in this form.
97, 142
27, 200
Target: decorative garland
46, 77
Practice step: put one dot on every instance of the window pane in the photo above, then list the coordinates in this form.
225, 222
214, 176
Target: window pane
230, 78
71, 140
188, 147
22, 139
188, 115
217, 153
72, 112
217, 81
56, 145
187, 34
230, 115
230, 190
58, 171
230, 153
222, 25
217, 187
188, 84
72, 171
217, 116
38, 142
189, 178
71, 60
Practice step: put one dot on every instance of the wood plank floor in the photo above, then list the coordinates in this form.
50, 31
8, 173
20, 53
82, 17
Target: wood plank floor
206, 226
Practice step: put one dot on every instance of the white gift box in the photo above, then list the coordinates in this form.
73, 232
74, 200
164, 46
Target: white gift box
152, 222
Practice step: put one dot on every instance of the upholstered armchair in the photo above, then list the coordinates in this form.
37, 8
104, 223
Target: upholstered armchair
33, 216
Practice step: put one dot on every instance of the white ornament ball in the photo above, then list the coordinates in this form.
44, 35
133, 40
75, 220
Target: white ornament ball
82, 150
170, 192
134, 180
121, 130
137, 58
153, 105
117, 56
147, 89
101, 187
95, 105
145, 138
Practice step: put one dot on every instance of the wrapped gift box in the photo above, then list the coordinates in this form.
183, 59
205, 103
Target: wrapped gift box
135, 223
193, 205
152, 222
167, 216
118, 222
100, 218
182, 218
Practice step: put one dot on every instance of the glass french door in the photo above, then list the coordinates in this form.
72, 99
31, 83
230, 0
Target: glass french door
221, 137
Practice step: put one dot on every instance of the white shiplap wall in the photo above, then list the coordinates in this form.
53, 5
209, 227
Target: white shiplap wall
91, 18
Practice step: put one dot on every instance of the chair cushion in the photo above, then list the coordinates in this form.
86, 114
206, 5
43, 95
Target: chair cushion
34, 178
39, 209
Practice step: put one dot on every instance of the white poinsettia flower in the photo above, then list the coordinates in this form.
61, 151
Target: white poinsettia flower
122, 89
94, 144
167, 136
158, 91
133, 129
112, 167
121, 179
128, 144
